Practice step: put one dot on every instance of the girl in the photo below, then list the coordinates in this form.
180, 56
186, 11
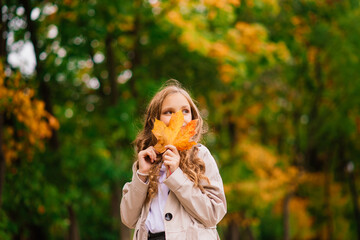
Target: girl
179, 194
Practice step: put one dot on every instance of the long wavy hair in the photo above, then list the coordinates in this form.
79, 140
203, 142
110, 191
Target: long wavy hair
190, 163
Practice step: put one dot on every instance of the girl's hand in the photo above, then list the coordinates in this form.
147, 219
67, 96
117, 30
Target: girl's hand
146, 157
171, 159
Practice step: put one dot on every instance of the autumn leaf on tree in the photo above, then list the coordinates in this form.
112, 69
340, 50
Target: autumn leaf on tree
175, 134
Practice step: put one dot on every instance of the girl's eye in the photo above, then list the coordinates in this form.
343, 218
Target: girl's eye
168, 112
186, 111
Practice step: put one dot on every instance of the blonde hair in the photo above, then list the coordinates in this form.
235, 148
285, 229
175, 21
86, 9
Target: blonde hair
190, 163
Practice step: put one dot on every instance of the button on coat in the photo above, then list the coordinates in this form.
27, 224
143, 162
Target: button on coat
168, 216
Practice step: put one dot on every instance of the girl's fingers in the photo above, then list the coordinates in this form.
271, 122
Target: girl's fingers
142, 154
172, 151
150, 152
153, 150
169, 163
166, 153
166, 163
171, 154
156, 152
167, 158
171, 160
152, 155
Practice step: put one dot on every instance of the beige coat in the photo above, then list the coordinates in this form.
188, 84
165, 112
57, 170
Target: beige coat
190, 214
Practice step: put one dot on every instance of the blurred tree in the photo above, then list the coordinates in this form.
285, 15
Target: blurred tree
24, 125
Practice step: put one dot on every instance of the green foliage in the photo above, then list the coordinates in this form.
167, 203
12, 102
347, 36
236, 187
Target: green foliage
5, 226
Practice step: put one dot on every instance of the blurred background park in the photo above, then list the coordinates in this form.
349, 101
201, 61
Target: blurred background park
278, 82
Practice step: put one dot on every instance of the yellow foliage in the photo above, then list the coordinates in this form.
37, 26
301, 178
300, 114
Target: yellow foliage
282, 52
240, 219
219, 49
243, 186
250, 3
176, 18
125, 23
301, 29
254, 109
38, 124
251, 36
301, 221
225, 5
235, 2
243, 41
272, 181
226, 72
300, 218
53, 122
315, 179
194, 39
311, 55
212, 14
252, 39
258, 157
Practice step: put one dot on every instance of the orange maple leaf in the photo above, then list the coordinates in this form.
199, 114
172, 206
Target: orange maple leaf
175, 134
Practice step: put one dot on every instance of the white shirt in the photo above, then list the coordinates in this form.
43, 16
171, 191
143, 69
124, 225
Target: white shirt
155, 219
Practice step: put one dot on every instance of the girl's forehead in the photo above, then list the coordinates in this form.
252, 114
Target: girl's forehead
175, 100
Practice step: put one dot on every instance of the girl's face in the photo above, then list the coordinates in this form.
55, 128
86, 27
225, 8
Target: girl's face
173, 103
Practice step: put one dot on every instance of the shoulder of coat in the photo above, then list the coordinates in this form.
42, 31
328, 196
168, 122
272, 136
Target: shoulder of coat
203, 151
201, 148
207, 157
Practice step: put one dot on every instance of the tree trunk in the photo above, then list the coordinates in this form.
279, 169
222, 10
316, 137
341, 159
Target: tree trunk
111, 69
232, 232
44, 88
74, 233
3, 57
2, 157
312, 153
354, 198
3, 29
36, 233
327, 204
286, 225
249, 233
124, 232
136, 56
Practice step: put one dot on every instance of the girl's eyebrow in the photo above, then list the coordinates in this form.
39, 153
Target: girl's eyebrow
171, 108
167, 108
185, 106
